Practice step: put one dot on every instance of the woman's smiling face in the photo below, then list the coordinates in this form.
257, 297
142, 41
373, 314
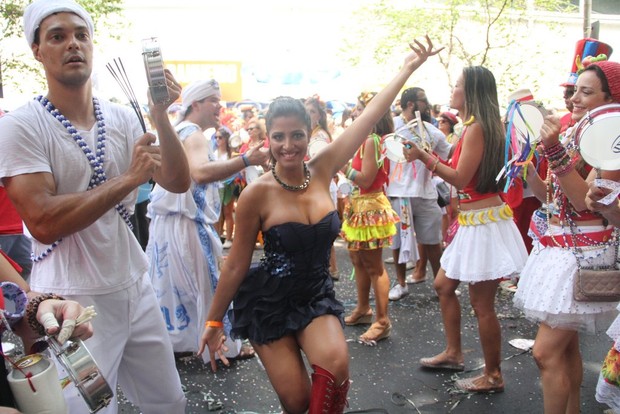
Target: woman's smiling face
288, 140
588, 94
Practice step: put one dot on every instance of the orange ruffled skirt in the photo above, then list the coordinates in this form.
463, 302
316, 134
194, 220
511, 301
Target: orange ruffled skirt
369, 222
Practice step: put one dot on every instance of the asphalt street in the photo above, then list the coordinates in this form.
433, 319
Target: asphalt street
387, 378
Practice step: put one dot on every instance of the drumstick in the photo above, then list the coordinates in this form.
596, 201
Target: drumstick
87, 314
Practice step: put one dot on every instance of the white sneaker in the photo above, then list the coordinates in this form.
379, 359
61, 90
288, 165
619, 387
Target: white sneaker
227, 244
389, 260
398, 292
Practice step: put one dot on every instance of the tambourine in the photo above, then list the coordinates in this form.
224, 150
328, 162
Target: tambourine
597, 137
529, 122
83, 371
344, 186
417, 133
154, 65
393, 145
315, 146
235, 141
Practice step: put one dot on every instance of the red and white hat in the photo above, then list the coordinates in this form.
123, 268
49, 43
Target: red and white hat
587, 50
521, 95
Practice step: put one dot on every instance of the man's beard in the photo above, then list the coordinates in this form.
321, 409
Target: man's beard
426, 115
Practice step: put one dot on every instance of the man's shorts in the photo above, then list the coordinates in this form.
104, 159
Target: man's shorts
426, 215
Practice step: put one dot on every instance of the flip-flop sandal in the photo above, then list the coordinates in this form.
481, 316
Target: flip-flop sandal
469, 385
432, 363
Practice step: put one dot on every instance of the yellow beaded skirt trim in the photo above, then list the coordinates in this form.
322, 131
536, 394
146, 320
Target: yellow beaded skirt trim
485, 215
369, 222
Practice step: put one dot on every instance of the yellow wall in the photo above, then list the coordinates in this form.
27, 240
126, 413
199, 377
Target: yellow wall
227, 73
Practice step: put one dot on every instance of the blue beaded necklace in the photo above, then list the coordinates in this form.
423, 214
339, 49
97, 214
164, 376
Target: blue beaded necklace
95, 159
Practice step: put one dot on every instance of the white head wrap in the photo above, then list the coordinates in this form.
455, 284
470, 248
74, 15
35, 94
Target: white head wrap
38, 10
199, 90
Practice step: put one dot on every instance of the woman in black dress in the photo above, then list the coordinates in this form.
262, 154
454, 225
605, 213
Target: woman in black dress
286, 304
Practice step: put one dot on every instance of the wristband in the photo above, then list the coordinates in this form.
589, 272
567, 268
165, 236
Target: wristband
429, 163
33, 307
214, 324
13, 294
352, 174
244, 158
435, 165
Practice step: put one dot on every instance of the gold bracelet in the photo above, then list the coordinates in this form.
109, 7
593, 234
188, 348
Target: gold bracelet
214, 324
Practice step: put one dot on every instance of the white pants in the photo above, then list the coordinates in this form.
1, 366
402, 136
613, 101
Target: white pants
131, 347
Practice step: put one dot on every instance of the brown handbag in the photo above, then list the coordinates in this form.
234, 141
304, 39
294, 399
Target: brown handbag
598, 284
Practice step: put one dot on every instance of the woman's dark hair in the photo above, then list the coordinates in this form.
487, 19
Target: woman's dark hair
320, 108
225, 134
385, 125
481, 102
286, 106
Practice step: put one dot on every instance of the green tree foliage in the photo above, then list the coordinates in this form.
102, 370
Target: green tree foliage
17, 65
493, 33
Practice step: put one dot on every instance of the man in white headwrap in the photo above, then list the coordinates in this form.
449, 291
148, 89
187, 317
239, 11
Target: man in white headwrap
184, 247
71, 164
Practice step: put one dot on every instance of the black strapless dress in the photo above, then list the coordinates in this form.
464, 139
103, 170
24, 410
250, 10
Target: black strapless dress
291, 284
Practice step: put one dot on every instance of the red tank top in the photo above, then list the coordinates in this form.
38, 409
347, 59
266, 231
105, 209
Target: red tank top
10, 221
382, 176
469, 193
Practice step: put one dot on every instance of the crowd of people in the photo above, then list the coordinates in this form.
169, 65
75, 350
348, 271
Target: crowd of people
221, 185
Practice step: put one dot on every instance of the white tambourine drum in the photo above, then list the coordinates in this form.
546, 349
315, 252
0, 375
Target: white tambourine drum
418, 133
532, 114
84, 372
154, 66
344, 186
235, 141
597, 136
315, 146
393, 148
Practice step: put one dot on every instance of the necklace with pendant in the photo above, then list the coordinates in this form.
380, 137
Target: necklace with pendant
289, 187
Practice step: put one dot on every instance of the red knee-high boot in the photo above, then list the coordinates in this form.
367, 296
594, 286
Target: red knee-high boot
327, 397
340, 400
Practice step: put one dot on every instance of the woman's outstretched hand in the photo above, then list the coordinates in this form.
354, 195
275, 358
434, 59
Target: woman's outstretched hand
213, 339
420, 53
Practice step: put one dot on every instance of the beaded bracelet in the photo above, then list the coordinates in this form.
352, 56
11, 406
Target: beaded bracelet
245, 160
33, 307
554, 150
563, 169
214, 324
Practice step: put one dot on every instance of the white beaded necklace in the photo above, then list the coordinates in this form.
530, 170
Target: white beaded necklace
95, 160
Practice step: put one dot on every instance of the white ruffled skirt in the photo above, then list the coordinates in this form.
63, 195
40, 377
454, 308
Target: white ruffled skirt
545, 292
482, 252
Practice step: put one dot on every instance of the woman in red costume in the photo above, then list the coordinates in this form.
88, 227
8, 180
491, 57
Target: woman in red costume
487, 245
575, 236
368, 227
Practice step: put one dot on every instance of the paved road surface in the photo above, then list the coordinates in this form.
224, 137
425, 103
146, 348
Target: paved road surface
387, 378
